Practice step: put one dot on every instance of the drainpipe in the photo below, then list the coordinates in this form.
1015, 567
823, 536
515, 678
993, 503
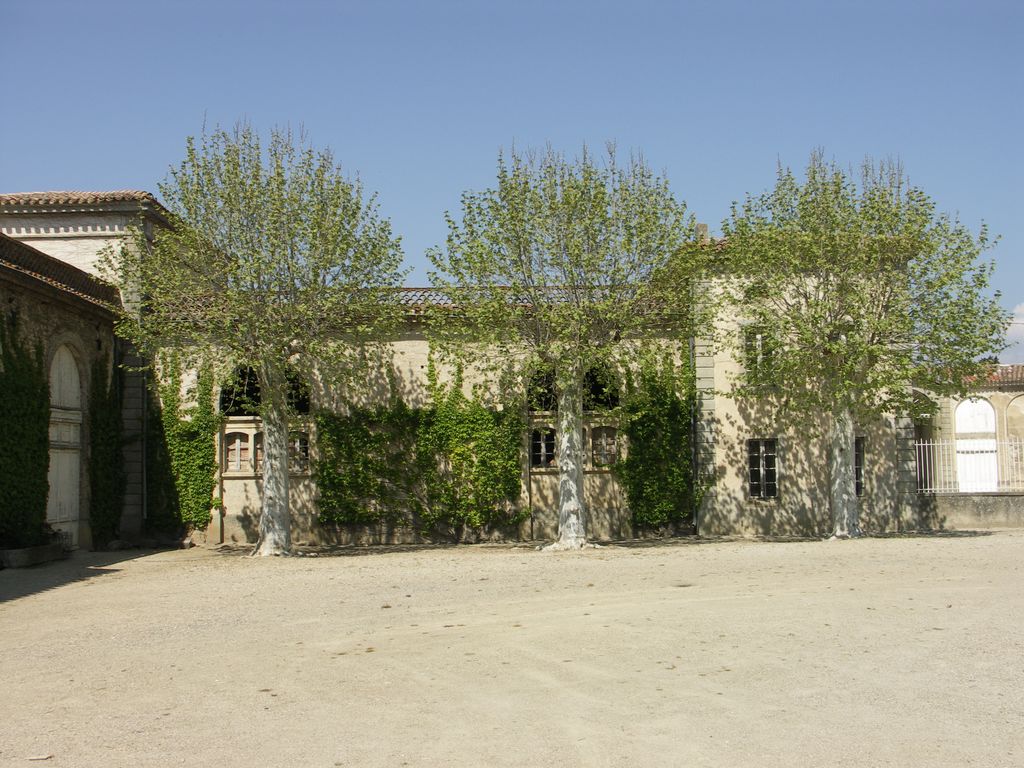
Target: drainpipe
694, 451
145, 447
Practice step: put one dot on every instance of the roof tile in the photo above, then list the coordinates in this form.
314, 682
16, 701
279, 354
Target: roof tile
17, 256
32, 199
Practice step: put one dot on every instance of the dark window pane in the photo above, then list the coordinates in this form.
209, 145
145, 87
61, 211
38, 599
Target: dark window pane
858, 465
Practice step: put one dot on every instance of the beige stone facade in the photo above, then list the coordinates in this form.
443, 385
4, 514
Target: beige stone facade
62, 310
790, 499
73, 229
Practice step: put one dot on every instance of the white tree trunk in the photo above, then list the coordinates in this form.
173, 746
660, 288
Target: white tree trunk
845, 510
275, 521
571, 511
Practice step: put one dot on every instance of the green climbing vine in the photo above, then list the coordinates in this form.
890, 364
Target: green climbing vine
658, 474
106, 473
24, 439
452, 465
183, 440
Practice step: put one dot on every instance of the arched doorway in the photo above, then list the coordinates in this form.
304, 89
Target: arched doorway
977, 465
63, 506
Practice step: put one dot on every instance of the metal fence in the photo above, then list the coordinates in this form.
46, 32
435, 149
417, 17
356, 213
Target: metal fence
978, 465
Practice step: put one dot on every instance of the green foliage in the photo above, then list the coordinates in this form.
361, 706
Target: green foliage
556, 267
24, 440
560, 257
452, 465
368, 469
658, 474
106, 473
185, 439
863, 289
272, 256
472, 457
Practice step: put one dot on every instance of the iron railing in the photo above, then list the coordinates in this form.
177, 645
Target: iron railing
975, 465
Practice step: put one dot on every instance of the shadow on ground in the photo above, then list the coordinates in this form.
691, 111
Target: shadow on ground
354, 550
78, 566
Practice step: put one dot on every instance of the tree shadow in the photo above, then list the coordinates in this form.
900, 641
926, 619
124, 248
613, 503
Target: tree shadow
79, 566
346, 550
938, 533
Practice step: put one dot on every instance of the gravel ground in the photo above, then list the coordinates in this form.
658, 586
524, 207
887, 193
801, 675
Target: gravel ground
896, 651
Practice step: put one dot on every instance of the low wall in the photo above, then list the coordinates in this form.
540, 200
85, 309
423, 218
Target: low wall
977, 510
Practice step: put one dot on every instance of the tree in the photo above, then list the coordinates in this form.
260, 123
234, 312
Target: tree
554, 269
272, 258
855, 292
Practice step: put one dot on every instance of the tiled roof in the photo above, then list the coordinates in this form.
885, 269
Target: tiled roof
17, 256
42, 199
1006, 376
416, 298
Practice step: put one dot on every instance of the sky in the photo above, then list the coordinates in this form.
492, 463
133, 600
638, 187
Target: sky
418, 98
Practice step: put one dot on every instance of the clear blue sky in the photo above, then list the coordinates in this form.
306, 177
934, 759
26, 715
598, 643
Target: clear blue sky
418, 97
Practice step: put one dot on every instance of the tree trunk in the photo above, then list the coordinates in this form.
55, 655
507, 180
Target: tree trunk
275, 521
571, 511
845, 511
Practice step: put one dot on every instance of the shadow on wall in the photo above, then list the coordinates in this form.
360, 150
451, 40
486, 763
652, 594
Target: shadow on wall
742, 502
789, 496
242, 523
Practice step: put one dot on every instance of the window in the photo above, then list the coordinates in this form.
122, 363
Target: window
600, 389
241, 395
542, 448
758, 352
236, 452
605, 448
298, 452
762, 468
858, 465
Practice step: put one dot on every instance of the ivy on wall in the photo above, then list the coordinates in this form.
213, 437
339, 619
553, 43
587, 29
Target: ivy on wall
106, 471
181, 461
24, 440
658, 474
440, 469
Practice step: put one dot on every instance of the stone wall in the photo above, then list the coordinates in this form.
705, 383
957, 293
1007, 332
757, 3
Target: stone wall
53, 318
975, 511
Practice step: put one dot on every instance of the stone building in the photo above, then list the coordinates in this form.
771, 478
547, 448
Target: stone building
63, 234
970, 454
768, 477
66, 312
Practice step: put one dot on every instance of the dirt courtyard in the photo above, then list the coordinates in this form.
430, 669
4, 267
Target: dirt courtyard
904, 651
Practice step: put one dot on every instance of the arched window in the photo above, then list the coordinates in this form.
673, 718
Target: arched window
975, 416
1015, 418
600, 390
236, 452
540, 393
977, 466
63, 502
65, 384
241, 397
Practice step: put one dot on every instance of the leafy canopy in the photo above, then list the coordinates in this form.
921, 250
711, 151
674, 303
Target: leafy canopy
857, 290
271, 252
559, 258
